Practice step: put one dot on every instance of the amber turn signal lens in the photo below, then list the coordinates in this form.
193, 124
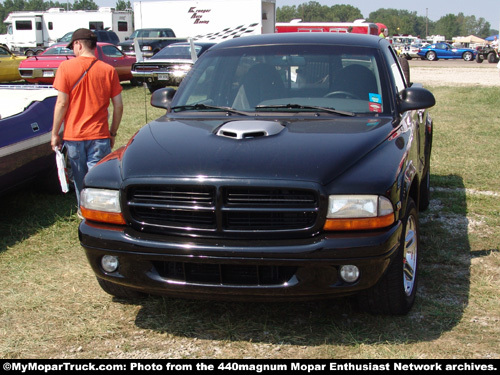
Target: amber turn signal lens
104, 217
359, 224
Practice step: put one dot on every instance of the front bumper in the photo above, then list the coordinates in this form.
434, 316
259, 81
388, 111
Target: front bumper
239, 269
166, 78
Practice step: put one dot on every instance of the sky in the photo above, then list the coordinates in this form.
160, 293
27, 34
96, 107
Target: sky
434, 9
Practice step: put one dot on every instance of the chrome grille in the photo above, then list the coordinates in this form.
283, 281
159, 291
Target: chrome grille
146, 68
269, 197
174, 206
222, 209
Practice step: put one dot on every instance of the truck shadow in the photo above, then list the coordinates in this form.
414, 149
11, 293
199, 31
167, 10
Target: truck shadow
442, 297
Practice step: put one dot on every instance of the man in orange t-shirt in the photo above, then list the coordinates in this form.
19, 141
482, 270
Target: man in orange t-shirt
85, 87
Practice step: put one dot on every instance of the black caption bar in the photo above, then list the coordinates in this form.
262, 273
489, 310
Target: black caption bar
246, 366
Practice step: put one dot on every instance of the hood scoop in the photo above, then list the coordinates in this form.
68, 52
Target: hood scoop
249, 129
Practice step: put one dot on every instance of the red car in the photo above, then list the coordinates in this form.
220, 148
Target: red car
42, 68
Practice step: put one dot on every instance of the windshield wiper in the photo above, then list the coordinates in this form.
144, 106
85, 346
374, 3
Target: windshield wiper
205, 106
300, 106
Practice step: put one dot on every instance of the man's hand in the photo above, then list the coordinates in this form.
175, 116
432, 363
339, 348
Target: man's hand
56, 142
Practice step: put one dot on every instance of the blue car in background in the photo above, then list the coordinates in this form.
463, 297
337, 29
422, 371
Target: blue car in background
442, 50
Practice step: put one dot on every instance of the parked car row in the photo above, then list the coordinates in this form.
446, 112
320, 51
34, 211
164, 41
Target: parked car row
42, 68
436, 51
166, 68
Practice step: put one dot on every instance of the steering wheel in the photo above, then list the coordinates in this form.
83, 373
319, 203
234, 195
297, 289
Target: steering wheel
347, 95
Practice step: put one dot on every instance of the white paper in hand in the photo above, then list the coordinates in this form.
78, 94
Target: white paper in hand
61, 171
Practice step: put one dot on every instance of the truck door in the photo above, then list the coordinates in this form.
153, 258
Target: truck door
39, 31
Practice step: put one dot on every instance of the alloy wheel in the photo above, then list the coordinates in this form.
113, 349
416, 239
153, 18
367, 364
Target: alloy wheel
410, 255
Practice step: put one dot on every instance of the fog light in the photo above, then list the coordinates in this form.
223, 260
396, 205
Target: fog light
349, 273
109, 263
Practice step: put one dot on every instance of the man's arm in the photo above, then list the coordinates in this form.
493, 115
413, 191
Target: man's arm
117, 117
60, 110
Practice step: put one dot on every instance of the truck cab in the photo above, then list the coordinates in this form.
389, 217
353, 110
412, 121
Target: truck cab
28, 32
150, 40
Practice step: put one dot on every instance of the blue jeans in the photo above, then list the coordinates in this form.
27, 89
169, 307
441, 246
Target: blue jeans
82, 156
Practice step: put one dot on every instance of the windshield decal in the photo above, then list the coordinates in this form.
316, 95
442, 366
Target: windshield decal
375, 104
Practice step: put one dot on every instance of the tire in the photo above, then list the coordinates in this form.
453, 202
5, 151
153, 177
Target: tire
479, 58
29, 53
431, 56
468, 56
492, 58
117, 290
395, 292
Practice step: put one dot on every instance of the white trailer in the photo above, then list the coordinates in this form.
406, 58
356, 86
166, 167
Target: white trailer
31, 31
207, 19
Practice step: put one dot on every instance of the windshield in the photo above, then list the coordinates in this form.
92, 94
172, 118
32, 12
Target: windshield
287, 78
147, 33
133, 35
176, 52
66, 38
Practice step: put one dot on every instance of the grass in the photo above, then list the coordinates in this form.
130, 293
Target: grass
52, 306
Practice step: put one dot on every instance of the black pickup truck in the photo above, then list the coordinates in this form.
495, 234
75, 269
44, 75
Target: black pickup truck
150, 41
287, 167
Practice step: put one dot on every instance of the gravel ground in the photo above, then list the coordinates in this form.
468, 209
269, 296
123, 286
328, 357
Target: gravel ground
454, 73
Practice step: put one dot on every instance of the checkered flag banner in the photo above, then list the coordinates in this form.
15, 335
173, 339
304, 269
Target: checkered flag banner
229, 33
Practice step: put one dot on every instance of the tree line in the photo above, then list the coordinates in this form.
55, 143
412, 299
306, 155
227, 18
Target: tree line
398, 21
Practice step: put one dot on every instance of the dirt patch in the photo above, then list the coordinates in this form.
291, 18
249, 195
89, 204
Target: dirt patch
454, 73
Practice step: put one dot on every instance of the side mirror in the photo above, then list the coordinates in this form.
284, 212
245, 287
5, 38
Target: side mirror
163, 97
416, 98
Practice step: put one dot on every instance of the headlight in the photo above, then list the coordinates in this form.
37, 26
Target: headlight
184, 67
101, 205
358, 212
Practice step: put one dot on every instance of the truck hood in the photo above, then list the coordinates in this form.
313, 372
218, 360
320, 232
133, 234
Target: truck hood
305, 149
127, 42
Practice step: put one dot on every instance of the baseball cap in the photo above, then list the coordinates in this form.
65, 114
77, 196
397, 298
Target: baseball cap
81, 34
